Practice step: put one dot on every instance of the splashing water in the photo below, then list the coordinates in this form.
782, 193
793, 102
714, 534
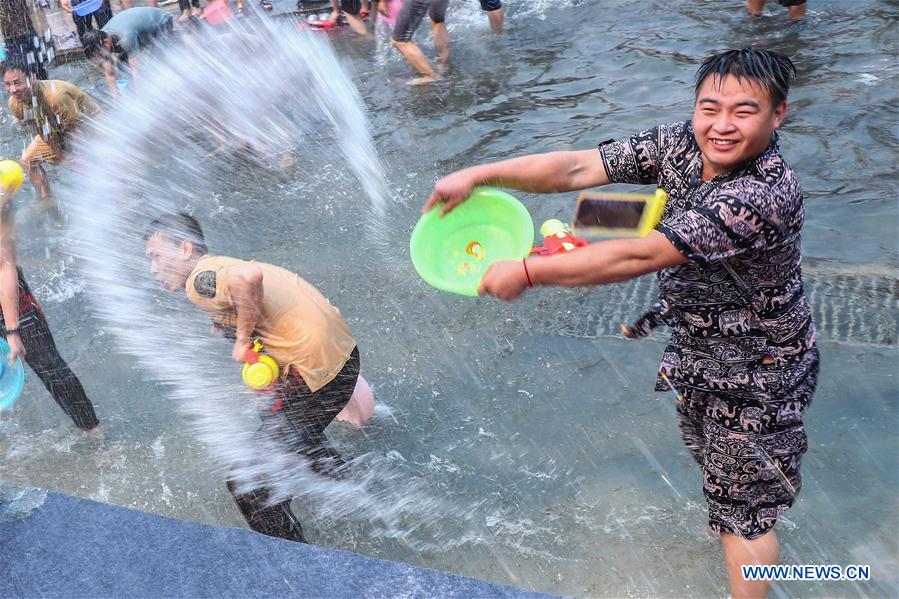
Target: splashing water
223, 120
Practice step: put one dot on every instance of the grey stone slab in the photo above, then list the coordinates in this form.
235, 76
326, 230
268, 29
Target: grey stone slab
70, 547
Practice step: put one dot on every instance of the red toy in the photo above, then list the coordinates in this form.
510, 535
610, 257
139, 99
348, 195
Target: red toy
557, 239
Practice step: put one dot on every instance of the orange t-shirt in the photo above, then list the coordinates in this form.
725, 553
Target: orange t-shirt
58, 105
297, 325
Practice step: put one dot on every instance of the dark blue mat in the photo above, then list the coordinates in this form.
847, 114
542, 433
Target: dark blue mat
70, 547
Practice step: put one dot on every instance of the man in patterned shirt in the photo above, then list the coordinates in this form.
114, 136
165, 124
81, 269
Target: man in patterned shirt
727, 251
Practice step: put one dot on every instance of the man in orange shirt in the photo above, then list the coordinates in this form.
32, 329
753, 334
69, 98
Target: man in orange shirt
55, 110
297, 326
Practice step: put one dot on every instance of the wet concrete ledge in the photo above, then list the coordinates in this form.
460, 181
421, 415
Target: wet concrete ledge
54, 545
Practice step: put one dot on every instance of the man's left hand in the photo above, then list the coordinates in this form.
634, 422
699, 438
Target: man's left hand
239, 351
505, 280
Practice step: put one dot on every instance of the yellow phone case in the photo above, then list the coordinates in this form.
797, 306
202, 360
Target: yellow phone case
652, 214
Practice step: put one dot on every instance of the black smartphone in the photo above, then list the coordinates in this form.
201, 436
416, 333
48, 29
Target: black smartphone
601, 214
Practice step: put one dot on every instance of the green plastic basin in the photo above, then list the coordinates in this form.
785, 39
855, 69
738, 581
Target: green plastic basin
453, 252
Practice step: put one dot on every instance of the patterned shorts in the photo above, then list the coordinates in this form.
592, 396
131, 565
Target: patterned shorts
750, 452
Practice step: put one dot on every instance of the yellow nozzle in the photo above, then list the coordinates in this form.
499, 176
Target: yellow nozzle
262, 374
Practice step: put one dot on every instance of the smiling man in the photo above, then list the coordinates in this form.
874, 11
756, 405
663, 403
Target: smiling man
55, 111
742, 353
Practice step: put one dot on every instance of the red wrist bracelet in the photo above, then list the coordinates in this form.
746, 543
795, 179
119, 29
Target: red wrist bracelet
524, 262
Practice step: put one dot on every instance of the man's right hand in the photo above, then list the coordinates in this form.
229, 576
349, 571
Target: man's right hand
16, 348
451, 191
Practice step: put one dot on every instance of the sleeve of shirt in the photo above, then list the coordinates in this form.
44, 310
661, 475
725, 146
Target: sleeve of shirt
737, 221
212, 289
633, 159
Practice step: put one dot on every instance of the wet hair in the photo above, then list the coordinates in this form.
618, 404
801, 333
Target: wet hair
772, 70
91, 42
14, 63
179, 227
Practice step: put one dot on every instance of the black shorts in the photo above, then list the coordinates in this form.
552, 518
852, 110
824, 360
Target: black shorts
792, 2
413, 12
351, 7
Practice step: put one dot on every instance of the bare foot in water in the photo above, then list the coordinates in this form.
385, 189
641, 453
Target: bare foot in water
424, 79
95, 436
49, 207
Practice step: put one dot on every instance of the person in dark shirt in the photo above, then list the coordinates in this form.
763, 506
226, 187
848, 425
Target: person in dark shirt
742, 353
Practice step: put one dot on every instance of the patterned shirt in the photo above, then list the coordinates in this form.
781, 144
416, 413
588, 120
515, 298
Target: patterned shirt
741, 323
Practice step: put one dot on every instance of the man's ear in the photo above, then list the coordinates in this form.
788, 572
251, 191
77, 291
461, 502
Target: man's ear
780, 113
187, 248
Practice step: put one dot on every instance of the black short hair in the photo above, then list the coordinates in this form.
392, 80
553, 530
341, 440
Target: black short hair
14, 63
91, 42
772, 70
180, 227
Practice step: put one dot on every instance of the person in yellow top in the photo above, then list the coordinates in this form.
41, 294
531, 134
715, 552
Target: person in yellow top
297, 326
55, 110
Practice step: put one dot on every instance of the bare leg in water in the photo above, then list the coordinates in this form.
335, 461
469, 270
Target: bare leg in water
441, 43
740, 552
496, 20
418, 60
797, 11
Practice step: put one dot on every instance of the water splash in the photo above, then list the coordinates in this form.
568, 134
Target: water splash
229, 127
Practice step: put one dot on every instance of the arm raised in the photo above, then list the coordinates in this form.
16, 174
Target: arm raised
552, 172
